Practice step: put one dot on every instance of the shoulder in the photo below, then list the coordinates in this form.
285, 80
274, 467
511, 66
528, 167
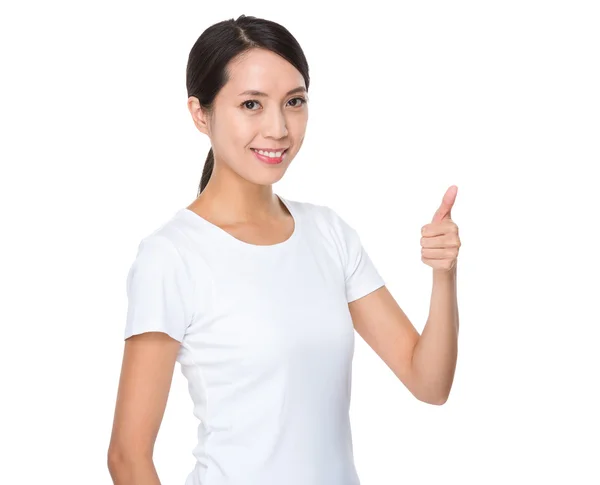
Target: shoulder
159, 258
319, 214
160, 288
179, 234
169, 250
331, 220
170, 234
162, 246
328, 227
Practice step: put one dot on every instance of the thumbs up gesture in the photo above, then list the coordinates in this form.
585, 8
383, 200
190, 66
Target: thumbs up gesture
440, 242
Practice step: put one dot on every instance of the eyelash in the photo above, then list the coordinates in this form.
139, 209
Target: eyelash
304, 101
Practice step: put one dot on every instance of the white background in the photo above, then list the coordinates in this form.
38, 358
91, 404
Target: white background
501, 99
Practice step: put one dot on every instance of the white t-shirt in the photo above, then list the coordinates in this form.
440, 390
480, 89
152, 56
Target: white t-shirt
267, 342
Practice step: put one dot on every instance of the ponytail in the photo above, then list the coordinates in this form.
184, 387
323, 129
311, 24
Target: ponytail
207, 171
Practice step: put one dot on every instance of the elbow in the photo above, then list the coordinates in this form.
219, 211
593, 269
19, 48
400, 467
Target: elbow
114, 461
434, 401
438, 398
113, 464
440, 401
115, 454
434, 394
119, 462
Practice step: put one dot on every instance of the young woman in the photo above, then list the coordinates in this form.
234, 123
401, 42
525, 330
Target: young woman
257, 296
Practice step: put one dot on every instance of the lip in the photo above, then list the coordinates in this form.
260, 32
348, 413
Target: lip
271, 149
269, 160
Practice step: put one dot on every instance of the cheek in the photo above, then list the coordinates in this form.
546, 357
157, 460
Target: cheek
297, 126
242, 131
235, 133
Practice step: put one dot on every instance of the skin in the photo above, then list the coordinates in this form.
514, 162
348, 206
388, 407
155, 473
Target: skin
239, 196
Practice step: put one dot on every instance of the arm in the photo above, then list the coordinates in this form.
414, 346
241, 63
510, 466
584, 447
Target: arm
435, 355
424, 363
146, 375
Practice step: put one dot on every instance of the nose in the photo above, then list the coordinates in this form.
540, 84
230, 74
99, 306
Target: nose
275, 125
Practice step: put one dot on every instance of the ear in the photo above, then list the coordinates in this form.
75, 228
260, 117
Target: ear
199, 116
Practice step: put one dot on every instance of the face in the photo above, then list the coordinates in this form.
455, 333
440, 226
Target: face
242, 122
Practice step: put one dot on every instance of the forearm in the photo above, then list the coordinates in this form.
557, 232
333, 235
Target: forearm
435, 354
133, 471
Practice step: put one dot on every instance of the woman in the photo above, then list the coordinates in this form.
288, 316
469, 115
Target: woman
255, 295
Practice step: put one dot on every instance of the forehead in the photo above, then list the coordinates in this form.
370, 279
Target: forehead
262, 70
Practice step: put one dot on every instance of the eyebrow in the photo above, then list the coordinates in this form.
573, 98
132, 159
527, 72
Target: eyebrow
299, 89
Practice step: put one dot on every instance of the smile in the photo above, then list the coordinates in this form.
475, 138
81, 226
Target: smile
271, 157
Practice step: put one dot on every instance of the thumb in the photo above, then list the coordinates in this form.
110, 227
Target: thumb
444, 211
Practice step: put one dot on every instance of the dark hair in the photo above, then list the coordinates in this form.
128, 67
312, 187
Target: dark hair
207, 72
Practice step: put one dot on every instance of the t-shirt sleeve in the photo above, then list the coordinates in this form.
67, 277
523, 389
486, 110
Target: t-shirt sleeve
159, 290
360, 273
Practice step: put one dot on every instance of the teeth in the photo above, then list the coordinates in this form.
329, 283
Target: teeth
269, 154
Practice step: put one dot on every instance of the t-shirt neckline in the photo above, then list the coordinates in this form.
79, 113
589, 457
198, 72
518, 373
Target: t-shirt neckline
238, 242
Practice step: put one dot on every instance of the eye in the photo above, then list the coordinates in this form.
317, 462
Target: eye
300, 101
245, 103
297, 105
